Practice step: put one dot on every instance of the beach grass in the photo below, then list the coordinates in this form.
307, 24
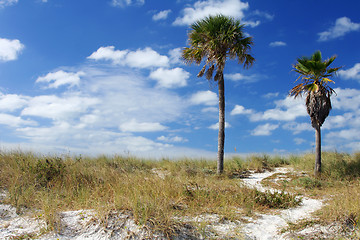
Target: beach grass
159, 193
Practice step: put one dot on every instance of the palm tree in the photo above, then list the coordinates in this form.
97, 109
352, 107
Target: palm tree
214, 39
314, 76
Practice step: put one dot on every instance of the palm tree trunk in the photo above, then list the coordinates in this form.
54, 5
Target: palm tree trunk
221, 136
317, 170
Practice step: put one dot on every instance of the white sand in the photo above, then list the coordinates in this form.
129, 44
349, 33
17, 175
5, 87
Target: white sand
267, 226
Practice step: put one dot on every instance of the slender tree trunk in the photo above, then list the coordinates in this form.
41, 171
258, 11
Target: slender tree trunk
221, 137
317, 169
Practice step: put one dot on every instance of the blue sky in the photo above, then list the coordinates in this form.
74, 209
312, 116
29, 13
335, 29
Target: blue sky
105, 77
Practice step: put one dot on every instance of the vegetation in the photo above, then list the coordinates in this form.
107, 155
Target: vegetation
215, 39
157, 193
314, 74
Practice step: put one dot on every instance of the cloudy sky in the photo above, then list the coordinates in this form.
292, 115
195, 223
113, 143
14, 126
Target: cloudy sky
105, 77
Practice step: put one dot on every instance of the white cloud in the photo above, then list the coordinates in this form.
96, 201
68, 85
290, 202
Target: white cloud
144, 58
161, 15
172, 139
10, 49
264, 130
347, 134
102, 116
12, 102
351, 73
241, 77
108, 53
252, 23
216, 126
4, 3
56, 108
59, 78
124, 3
204, 97
238, 110
286, 110
297, 128
341, 27
201, 9
134, 126
277, 44
141, 58
346, 99
170, 78
338, 121
14, 121
175, 55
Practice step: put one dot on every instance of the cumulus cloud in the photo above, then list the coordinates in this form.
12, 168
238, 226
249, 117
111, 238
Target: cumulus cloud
12, 102
111, 105
10, 49
346, 99
54, 107
201, 9
134, 126
15, 121
175, 55
238, 77
277, 44
297, 128
172, 139
59, 78
4, 3
208, 98
141, 58
351, 73
341, 27
264, 130
287, 109
170, 78
108, 53
161, 15
238, 110
124, 3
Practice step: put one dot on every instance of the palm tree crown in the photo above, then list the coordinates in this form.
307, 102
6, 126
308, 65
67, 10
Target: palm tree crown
214, 39
314, 75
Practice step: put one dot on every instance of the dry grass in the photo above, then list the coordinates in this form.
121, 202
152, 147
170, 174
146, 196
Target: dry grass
154, 192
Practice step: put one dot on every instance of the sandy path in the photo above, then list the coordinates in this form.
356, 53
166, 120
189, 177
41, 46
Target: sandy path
267, 226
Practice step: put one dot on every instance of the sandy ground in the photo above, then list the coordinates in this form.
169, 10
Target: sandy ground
84, 224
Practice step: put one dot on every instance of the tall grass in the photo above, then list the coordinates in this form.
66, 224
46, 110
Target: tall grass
153, 192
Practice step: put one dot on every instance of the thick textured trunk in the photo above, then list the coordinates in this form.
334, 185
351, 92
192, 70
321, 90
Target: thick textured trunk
221, 137
317, 169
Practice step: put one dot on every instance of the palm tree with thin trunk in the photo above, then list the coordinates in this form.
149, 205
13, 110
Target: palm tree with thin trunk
214, 40
314, 74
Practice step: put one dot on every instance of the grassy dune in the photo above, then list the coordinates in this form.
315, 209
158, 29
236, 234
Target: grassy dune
157, 192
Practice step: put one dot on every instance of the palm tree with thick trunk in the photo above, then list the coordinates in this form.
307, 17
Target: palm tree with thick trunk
214, 40
314, 74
